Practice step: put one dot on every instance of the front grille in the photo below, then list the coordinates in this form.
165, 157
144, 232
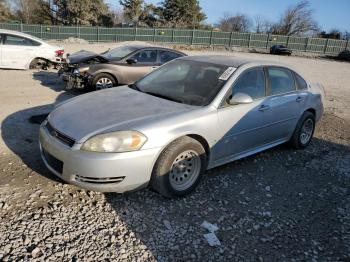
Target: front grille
60, 136
53, 162
99, 180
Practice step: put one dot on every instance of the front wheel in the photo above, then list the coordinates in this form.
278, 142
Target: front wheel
179, 168
304, 131
103, 81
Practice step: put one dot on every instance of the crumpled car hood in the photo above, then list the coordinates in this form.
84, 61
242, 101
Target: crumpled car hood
84, 56
120, 108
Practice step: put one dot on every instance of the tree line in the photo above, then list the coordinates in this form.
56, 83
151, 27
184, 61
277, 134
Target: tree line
296, 20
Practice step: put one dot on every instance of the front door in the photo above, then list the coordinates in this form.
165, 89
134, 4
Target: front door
146, 61
244, 127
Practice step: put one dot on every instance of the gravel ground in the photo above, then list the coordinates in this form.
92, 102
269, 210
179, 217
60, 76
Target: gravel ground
279, 205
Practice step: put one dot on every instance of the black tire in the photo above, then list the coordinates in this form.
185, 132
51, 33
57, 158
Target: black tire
296, 139
100, 76
160, 179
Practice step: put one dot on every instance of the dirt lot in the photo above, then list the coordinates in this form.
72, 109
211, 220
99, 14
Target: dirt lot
281, 204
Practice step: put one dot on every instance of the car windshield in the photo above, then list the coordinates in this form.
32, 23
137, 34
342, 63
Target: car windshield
189, 82
119, 52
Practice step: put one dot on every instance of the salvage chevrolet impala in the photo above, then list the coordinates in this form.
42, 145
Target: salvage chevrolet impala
168, 128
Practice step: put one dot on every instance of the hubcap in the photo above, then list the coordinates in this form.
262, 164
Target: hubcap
104, 83
185, 170
306, 131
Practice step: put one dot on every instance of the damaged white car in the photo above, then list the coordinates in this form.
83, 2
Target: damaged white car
23, 51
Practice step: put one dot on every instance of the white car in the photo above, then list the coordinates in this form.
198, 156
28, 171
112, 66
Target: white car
23, 51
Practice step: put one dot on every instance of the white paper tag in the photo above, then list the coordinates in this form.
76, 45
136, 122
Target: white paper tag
212, 239
226, 75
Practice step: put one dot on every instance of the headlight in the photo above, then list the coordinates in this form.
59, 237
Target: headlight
81, 70
116, 142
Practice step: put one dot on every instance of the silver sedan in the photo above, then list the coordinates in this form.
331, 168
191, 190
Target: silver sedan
186, 117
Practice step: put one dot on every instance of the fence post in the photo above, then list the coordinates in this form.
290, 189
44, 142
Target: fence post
250, 38
230, 41
41, 31
192, 38
135, 33
211, 37
21, 26
267, 41
172, 35
287, 41
116, 37
306, 44
59, 32
325, 46
98, 34
347, 45
154, 35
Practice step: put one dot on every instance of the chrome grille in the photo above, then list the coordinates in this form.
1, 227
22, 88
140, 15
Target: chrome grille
60, 136
99, 180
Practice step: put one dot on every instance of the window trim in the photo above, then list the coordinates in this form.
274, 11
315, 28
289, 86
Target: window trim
144, 63
223, 103
269, 89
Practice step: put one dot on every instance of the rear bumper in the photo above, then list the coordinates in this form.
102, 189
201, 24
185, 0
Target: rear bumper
104, 172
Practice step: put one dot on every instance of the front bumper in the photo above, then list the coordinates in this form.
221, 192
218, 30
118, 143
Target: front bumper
104, 172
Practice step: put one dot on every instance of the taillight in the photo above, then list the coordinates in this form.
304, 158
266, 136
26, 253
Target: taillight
59, 52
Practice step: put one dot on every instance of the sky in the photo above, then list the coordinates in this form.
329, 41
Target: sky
329, 14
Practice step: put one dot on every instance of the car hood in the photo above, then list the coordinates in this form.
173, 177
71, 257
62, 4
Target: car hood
120, 108
84, 56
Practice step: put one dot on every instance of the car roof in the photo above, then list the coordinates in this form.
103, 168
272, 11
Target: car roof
12, 32
230, 60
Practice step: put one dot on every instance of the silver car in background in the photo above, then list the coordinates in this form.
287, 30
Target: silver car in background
167, 129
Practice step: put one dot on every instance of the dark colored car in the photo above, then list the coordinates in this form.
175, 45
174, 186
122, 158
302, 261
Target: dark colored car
119, 66
280, 50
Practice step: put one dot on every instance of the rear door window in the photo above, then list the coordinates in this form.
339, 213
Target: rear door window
166, 56
281, 80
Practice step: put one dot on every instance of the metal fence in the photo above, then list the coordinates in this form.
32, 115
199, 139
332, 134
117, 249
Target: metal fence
182, 36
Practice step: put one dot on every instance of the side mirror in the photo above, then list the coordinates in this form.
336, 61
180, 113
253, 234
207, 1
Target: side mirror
131, 61
240, 98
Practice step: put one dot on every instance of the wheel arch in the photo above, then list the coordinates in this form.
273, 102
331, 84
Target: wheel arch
105, 72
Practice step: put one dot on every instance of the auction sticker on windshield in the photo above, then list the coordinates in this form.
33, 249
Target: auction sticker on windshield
226, 75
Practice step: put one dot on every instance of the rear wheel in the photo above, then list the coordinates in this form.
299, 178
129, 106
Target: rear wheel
304, 131
179, 168
103, 81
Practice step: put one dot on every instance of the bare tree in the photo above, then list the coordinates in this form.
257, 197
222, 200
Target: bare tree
262, 25
297, 20
5, 12
117, 16
236, 23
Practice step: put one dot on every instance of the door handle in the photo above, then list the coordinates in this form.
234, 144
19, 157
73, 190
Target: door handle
264, 108
299, 99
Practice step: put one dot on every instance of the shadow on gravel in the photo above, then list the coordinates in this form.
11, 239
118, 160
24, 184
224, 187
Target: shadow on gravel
20, 132
49, 79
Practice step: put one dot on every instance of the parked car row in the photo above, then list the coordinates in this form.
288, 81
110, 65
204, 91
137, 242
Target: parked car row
171, 118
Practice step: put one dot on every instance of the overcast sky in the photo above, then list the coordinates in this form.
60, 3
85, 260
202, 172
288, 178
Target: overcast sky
328, 13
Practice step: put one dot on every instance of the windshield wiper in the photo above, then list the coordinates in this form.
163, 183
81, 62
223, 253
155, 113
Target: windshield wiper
135, 87
165, 97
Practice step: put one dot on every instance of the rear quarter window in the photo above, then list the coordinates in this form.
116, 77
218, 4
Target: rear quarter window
301, 83
281, 80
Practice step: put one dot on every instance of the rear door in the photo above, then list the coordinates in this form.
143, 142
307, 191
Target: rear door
17, 51
283, 102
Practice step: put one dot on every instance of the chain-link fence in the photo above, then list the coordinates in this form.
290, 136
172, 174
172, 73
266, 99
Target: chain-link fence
182, 36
